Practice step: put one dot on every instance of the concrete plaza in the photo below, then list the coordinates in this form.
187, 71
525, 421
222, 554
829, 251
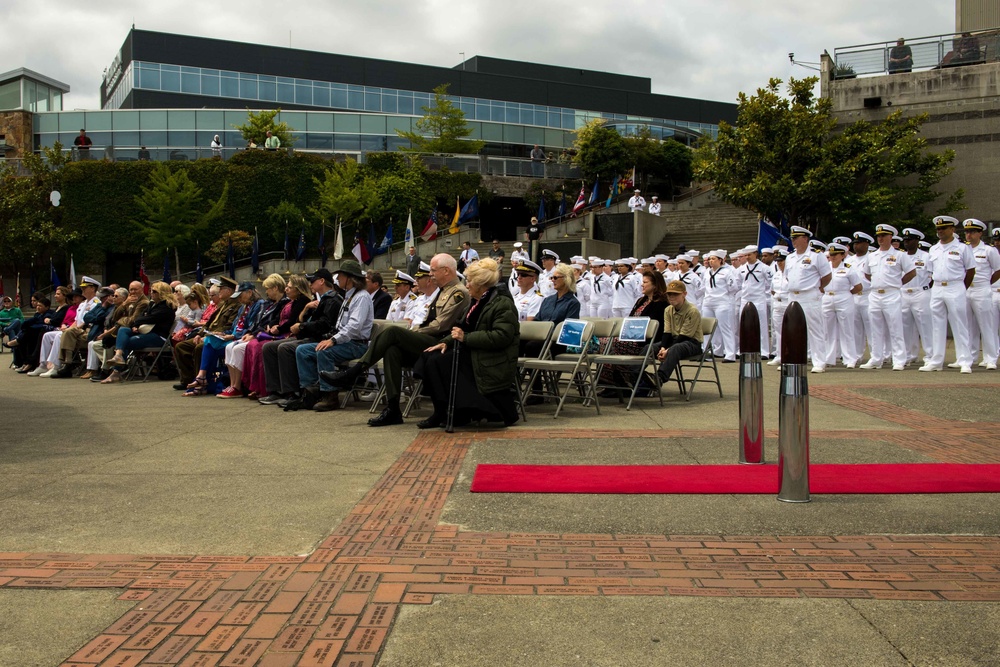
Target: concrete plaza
139, 527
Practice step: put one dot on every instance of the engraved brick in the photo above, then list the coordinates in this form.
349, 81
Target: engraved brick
310, 613
262, 591
124, 659
201, 590
221, 601
131, 622
267, 626
200, 623
177, 612
366, 640
221, 638
293, 638
246, 653
321, 653
243, 613
201, 660
378, 615
98, 649
336, 627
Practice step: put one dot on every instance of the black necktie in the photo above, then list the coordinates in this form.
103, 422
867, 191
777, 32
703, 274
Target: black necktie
711, 278
750, 272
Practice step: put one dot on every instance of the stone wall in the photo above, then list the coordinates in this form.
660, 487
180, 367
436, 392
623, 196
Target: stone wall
963, 105
16, 128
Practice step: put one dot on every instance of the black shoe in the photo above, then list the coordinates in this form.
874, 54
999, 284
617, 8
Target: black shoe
534, 400
344, 379
291, 398
270, 399
431, 422
98, 377
388, 417
181, 386
65, 372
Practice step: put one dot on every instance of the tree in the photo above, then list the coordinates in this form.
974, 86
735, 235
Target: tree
242, 245
259, 123
666, 162
30, 226
343, 193
444, 124
172, 209
600, 151
787, 159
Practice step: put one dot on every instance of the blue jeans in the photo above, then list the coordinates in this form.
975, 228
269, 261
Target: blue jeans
310, 362
128, 341
210, 356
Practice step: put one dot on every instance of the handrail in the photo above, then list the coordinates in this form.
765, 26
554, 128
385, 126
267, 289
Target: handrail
930, 52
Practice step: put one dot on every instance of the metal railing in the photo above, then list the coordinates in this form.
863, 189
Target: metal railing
935, 51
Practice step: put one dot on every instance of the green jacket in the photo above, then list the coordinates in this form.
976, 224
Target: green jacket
8, 315
494, 345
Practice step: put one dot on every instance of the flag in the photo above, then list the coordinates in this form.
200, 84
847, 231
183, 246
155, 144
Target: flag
628, 181
431, 229
72, 272
53, 276
541, 210
358, 248
255, 253
768, 235
287, 248
453, 229
338, 245
142, 273
593, 193
17, 291
470, 211
231, 259
32, 284
166, 266
562, 205
300, 251
199, 275
612, 193
386, 243
578, 206
409, 239
322, 245
370, 246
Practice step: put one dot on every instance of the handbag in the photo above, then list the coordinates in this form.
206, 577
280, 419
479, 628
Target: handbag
146, 328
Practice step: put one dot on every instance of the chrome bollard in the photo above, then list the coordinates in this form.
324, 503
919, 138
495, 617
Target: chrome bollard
751, 388
793, 409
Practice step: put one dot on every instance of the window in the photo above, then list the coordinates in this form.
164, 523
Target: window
303, 92
180, 119
248, 86
230, 84
321, 94
149, 76
347, 142
190, 81
97, 120
10, 95
152, 120
170, 78
347, 122
210, 84
286, 90
319, 122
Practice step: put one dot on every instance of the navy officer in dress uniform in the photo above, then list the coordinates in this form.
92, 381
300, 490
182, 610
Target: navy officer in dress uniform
397, 347
527, 297
403, 285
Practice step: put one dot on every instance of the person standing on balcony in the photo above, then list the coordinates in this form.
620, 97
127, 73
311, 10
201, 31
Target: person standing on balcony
216, 147
636, 202
900, 58
412, 261
654, 205
533, 234
537, 162
83, 144
272, 143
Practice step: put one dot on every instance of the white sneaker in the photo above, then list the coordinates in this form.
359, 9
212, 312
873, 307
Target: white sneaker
982, 364
929, 367
966, 369
871, 364
853, 364
898, 367
991, 367
774, 362
818, 369
51, 373
954, 364
38, 371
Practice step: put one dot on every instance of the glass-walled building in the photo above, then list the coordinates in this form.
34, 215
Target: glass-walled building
176, 90
25, 90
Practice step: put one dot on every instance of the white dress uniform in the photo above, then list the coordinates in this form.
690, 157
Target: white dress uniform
721, 292
527, 303
397, 309
949, 304
584, 293
627, 289
917, 308
603, 295
885, 306
755, 284
515, 259
779, 303
804, 271
695, 288
983, 317
862, 325
545, 283
654, 208
420, 308
838, 316
636, 203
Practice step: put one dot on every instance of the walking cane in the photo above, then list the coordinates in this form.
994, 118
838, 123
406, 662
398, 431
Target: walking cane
450, 421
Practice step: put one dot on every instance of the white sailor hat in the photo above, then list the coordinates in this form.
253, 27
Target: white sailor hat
816, 244
705, 257
518, 245
843, 240
886, 229
592, 258
796, 230
577, 265
750, 248
87, 281
550, 254
734, 255
693, 253
683, 258
862, 236
945, 221
623, 261
835, 248
912, 233
996, 232
767, 251
665, 258
720, 253
598, 262
780, 251
974, 225
403, 278
576, 259
214, 281
924, 245
423, 270
632, 260
649, 260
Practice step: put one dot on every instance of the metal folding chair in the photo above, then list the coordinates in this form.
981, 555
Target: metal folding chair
640, 362
699, 361
574, 370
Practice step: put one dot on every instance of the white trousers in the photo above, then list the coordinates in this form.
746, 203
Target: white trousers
813, 310
97, 354
838, 316
765, 334
778, 307
983, 323
724, 341
620, 312
862, 327
885, 314
949, 306
917, 322
235, 354
604, 309
50, 348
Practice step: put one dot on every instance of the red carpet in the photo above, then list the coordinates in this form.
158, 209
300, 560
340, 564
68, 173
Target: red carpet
823, 478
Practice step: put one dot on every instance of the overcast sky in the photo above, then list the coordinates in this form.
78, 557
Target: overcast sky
708, 49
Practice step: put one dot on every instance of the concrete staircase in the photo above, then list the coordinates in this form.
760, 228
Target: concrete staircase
713, 225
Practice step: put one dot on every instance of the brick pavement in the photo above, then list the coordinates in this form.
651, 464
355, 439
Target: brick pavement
337, 605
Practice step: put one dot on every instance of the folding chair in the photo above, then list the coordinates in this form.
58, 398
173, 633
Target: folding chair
576, 368
138, 362
532, 332
700, 361
640, 362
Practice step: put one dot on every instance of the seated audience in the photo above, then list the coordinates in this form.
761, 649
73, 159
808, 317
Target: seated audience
150, 329
101, 346
652, 304
682, 334
297, 295
65, 312
267, 316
